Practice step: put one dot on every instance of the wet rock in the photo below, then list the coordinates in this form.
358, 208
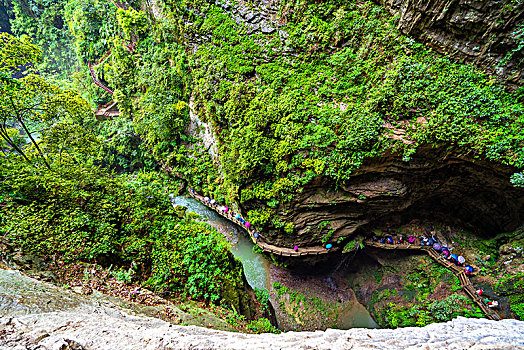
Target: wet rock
266, 29
510, 249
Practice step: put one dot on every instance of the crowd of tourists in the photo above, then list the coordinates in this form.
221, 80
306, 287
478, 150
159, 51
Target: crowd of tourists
228, 212
422, 240
439, 248
431, 242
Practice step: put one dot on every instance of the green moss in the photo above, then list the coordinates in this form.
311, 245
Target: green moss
285, 109
263, 298
262, 325
392, 315
512, 286
299, 306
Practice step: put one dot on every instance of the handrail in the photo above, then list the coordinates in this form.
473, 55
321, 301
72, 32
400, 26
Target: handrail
303, 251
130, 47
465, 283
96, 81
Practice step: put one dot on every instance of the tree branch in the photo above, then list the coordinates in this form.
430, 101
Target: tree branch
19, 118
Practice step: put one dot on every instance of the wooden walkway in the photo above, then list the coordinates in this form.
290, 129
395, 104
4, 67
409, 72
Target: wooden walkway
465, 283
96, 81
269, 248
103, 112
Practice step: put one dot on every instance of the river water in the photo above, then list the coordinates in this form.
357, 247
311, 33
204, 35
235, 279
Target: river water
258, 270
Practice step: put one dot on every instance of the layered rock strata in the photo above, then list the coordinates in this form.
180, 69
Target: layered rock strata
434, 185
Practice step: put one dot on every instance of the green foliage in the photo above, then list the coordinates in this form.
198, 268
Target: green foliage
326, 236
123, 276
422, 314
263, 298
323, 99
262, 325
132, 22
314, 99
517, 179
512, 286
84, 213
416, 303
352, 245
43, 21
39, 108
93, 25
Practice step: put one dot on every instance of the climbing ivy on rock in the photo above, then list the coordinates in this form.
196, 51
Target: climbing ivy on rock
321, 95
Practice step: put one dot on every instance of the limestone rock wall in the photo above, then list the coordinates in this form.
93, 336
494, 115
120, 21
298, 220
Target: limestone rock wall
488, 33
433, 185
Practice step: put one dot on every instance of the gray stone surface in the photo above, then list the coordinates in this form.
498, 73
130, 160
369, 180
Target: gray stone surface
483, 32
65, 320
106, 328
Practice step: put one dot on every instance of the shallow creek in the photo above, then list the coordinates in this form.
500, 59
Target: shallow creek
260, 273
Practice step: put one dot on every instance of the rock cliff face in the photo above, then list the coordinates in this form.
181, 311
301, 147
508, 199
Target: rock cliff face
5, 26
432, 185
487, 33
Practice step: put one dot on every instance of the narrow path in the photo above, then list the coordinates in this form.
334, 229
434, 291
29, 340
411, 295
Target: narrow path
302, 251
465, 283
96, 81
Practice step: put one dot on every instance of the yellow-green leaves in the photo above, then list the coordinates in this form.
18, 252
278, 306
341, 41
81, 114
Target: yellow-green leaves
17, 55
30, 103
132, 22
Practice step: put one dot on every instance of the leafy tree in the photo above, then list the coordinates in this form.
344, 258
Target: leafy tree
29, 103
43, 21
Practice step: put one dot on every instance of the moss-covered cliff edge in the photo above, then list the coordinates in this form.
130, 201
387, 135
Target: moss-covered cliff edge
308, 98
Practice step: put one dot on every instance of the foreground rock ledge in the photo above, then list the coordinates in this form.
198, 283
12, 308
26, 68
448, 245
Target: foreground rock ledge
107, 328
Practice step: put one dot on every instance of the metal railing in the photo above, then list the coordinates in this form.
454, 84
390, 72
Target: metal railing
269, 248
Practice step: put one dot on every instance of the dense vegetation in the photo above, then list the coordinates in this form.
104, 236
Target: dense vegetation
412, 303
56, 201
315, 98
88, 215
316, 103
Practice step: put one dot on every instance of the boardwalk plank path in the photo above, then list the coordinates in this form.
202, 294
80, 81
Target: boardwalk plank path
103, 112
96, 81
302, 251
465, 283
